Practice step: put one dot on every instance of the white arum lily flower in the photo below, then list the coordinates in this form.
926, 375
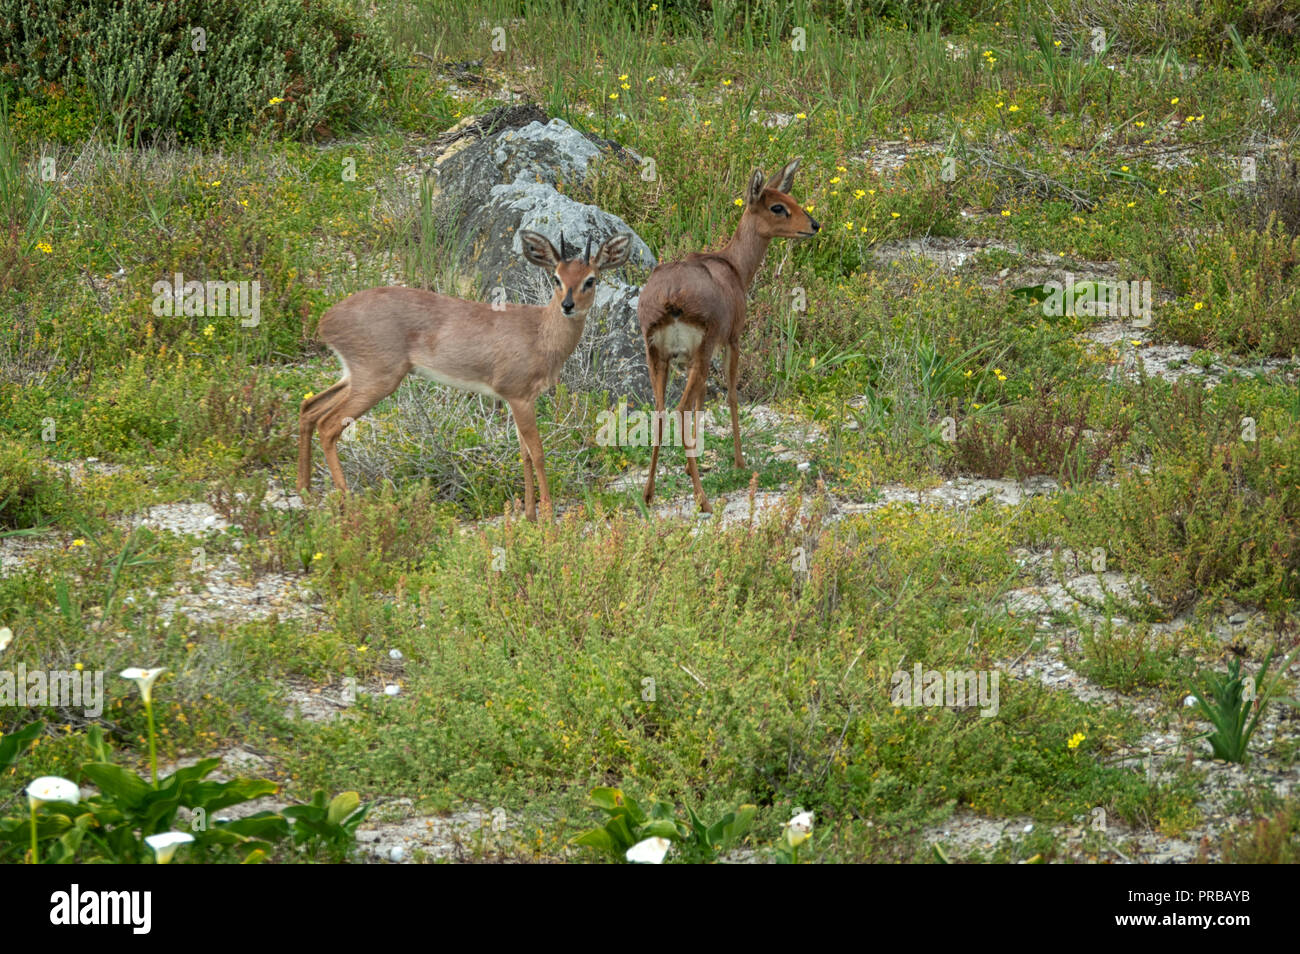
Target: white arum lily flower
51, 788
6, 637
165, 845
649, 852
798, 829
144, 678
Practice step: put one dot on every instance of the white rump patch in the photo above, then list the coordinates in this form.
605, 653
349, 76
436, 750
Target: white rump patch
678, 339
347, 372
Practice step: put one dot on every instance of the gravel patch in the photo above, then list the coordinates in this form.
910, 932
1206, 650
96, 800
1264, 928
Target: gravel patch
1134, 352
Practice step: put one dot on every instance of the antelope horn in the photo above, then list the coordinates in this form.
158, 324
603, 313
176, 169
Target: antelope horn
586, 256
563, 255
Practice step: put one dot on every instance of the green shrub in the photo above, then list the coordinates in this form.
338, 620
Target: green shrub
1271, 840
1193, 27
1240, 290
282, 65
1048, 435
1220, 513
23, 210
30, 490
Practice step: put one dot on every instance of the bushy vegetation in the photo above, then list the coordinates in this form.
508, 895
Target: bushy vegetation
189, 69
957, 154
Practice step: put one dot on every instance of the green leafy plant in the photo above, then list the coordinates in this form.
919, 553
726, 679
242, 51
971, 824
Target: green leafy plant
16, 743
1235, 696
795, 832
705, 842
112, 825
330, 826
116, 825
628, 825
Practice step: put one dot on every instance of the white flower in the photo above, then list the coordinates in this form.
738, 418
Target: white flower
798, 829
144, 679
394, 654
649, 852
1189, 701
6, 637
51, 788
165, 844
391, 690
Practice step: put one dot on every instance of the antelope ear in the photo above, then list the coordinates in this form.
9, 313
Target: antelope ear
613, 253
539, 250
783, 181
755, 190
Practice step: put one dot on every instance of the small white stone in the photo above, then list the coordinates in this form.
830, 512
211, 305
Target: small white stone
1028, 829
391, 690
1189, 701
396, 853
394, 654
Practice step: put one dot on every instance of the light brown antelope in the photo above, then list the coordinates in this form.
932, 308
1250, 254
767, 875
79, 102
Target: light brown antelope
690, 307
511, 352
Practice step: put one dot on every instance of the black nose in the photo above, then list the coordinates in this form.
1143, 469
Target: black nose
817, 226
567, 307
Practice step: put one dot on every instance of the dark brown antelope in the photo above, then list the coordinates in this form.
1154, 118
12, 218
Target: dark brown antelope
511, 352
693, 306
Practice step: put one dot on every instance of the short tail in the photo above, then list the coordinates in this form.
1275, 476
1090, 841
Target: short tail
317, 399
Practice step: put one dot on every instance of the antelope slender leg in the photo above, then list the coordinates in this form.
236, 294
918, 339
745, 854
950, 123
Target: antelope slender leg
527, 461
313, 409
525, 413
733, 369
658, 367
693, 396
346, 409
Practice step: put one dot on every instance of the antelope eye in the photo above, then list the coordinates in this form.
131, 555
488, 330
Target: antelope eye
589, 282
779, 209
556, 279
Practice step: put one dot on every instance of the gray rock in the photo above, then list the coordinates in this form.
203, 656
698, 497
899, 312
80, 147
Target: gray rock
498, 252
510, 180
